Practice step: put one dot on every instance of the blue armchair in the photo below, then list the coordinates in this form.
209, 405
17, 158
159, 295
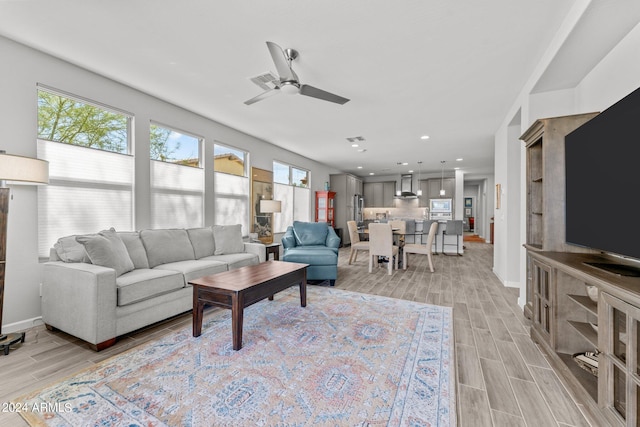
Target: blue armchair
316, 244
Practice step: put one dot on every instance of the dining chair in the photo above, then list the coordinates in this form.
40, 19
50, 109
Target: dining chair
381, 244
415, 248
399, 228
356, 244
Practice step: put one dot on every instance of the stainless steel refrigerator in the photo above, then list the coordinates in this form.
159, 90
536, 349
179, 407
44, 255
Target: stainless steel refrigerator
358, 209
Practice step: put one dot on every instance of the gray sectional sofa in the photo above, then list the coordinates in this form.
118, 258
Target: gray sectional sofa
100, 286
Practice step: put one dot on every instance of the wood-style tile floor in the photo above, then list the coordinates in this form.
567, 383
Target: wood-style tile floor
502, 377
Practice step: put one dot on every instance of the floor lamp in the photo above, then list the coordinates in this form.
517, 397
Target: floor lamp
270, 207
15, 169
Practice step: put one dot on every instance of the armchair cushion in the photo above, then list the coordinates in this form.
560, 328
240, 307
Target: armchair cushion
310, 233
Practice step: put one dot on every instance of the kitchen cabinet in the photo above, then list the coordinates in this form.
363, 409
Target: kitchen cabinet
379, 194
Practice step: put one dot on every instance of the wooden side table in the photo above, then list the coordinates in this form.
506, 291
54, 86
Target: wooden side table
273, 248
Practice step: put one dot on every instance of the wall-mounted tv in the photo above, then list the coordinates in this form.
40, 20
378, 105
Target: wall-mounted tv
602, 159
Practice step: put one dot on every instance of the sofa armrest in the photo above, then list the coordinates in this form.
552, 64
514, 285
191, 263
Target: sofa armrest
288, 240
256, 248
333, 240
80, 299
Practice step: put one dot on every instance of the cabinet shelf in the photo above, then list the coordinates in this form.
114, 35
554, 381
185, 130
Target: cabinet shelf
588, 381
587, 332
585, 302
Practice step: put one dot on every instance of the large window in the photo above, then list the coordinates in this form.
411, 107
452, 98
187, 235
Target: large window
90, 169
291, 187
231, 186
177, 178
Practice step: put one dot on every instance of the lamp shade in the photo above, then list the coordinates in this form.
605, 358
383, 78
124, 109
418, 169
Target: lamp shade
23, 169
270, 206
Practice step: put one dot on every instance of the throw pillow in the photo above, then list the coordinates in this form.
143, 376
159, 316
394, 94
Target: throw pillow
202, 241
70, 250
228, 239
135, 248
107, 249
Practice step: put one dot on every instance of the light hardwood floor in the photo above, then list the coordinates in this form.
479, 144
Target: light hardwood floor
502, 377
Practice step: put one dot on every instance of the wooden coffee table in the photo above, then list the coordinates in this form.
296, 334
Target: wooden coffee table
239, 288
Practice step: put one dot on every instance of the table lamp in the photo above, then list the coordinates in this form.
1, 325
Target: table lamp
15, 169
270, 206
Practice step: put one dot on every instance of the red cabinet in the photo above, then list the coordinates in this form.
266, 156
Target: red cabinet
324, 207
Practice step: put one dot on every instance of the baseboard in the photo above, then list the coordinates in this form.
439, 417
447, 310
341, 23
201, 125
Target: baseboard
22, 325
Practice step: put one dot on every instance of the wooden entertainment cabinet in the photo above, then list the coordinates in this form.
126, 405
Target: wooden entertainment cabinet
565, 320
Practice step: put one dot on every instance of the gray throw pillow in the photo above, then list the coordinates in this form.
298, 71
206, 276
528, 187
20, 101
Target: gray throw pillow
107, 249
70, 250
202, 241
135, 248
228, 239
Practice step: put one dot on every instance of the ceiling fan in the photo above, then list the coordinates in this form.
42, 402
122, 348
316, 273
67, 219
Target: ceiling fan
288, 81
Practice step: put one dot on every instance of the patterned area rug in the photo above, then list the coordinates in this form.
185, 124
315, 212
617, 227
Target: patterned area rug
346, 359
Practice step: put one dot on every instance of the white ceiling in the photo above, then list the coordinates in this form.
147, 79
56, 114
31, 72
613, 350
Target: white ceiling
448, 69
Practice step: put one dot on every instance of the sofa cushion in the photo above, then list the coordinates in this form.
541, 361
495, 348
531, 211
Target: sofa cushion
135, 248
202, 241
228, 239
314, 255
193, 269
107, 249
167, 245
235, 260
69, 249
143, 283
310, 233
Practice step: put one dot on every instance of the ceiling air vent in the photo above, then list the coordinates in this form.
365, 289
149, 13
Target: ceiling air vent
356, 139
266, 81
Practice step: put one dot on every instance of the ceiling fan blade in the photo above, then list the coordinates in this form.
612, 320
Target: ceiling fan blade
262, 96
282, 65
322, 94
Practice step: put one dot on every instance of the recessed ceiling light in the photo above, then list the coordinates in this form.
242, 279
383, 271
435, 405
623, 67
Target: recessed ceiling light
354, 145
410, 170
371, 173
424, 137
456, 168
459, 160
359, 167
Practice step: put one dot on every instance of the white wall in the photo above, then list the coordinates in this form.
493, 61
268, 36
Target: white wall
22, 69
614, 77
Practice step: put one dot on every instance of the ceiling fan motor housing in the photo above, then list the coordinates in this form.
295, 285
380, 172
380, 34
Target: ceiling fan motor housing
290, 87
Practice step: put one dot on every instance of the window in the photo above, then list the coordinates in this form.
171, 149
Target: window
72, 121
290, 175
231, 187
90, 169
291, 187
171, 146
177, 179
229, 160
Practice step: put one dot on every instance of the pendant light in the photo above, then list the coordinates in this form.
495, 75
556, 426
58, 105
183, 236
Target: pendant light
442, 192
419, 192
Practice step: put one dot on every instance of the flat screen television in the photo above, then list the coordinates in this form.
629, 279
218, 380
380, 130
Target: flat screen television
602, 159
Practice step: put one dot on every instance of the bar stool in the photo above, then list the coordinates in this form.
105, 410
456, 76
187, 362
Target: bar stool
454, 228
